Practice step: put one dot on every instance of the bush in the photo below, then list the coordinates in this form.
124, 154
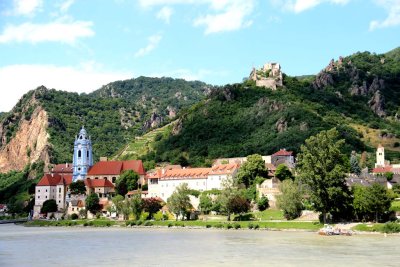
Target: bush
108, 224
74, 216
85, 224
256, 226
391, 227
263, 203
236, 226
208, 226
148, 223
396, 144
158, 216
144, 216
250, 226
229, 226
219, 225
170, 224
133, 223
139, 222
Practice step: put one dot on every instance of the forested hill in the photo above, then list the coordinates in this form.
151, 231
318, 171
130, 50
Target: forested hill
112, 115
358, 94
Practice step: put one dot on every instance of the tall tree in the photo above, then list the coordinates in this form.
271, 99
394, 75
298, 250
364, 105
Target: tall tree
354, 165
92, 203
238, 204
253, 169
321, 166
118, 202
151, 205
127, 181
179, 201
282, 172
290, 199
136, 205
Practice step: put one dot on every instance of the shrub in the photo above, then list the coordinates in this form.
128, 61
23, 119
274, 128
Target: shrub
133, 223
208, 226
139, 222
250, 226
158, 216
396, 144
85, 224
219, 225
236, 226
108, 224
391, 227
229, 226
256, 226
98, 215
263, 203
144, 216
127, 223
74, 216
170, 225
148, 223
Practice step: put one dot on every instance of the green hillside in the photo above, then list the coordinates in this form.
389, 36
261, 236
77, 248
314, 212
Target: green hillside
241, 119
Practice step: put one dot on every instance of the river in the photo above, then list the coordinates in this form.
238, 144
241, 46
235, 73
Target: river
51, 246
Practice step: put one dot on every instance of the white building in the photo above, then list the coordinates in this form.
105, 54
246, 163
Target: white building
163, 182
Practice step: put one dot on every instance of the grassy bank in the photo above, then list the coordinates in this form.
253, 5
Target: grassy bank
312, 226
390, 227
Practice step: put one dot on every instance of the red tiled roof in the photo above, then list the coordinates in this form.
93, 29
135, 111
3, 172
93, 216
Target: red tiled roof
116, 167
98, 183
134, 192
188, 173
224, 168
156, 174
283, 152
106, 168
55, 179
135, 165
62, 168
382, 169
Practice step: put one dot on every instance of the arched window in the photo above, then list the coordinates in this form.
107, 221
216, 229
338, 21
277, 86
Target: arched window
79, 153
87, 153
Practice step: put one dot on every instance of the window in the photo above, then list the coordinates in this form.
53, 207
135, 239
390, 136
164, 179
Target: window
38, 190
87, 153
96, 178
38, 197
105, 178
46, 196
59, 190
72, 209
113, 179
46, 190
79, 153
59, 201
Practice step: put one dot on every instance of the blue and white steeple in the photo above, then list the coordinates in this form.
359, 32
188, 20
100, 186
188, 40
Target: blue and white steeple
83, 158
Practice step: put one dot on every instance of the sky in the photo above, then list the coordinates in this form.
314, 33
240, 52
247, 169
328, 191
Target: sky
80, 45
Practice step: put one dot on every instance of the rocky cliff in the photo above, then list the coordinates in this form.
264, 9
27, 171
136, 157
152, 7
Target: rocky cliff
24, 137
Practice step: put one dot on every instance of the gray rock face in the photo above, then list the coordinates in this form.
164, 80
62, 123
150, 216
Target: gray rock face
377, 84
281, 125
377, 104
359, 90
322, 80
171, 112
177, 127
154, 121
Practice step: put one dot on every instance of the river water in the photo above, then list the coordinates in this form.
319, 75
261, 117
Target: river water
51, 246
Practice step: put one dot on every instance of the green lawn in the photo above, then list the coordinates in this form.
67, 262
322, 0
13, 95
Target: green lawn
95, 223
395, 206
269, 214
390, 227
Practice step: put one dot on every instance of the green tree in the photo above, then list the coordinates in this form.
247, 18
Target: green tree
206, 203
254, 167
92, 203
118, 203
151, 205
179, 201
263, 203
83, 213
282, 172
290, 199
321, 168
49, 205
354, 165
77, 187
127, 181
229, 191
238, 205
389, 176
136, 205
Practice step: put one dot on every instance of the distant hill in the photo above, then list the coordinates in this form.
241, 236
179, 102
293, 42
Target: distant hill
43, 125
358, 94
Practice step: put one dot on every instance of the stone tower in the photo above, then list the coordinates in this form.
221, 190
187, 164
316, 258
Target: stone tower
83, 158
380, 156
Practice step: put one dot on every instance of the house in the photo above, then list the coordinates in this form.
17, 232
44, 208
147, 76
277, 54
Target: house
270, 189
51, 186
162, 183
283, 156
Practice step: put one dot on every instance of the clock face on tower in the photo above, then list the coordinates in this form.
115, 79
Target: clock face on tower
79, 146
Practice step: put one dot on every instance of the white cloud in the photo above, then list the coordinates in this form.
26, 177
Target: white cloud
64, 7
165, 14
154, 40
224, 15
231, 16
393, 18
84, 78
57, 31
26, 7
299, 6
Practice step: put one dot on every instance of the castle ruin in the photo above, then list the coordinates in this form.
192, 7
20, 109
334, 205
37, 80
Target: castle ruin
268, 76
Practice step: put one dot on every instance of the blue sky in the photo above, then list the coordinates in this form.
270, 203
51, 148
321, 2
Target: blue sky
80, 45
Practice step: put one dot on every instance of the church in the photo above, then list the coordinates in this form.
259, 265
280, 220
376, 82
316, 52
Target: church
99, 178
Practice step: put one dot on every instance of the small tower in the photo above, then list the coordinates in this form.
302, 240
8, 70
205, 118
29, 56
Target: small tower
83, 158
380, 156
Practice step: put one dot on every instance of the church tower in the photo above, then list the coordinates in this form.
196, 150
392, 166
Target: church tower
380, 156
83, 158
